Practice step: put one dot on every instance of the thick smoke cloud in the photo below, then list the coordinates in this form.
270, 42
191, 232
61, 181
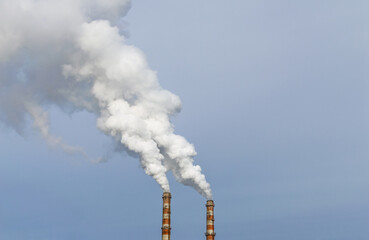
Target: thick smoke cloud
71, 54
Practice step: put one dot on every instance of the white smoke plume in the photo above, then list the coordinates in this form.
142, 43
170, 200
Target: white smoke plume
71, 54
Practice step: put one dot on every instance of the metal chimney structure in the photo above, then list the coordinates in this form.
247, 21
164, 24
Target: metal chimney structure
165, 230
210, 234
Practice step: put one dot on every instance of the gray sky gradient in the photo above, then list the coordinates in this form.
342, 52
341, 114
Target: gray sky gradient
275, 98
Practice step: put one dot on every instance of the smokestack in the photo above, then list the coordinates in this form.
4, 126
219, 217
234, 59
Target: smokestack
165, 234
210, 234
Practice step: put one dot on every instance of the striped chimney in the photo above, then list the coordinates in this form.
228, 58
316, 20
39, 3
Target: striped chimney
165, 235
210, 234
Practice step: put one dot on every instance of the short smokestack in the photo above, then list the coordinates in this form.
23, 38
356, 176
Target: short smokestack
210, 234
165, 229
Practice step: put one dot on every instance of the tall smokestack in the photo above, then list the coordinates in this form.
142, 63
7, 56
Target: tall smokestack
210, 234
165, 230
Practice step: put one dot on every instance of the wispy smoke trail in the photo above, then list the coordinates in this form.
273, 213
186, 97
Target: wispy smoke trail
70, 53
41, 122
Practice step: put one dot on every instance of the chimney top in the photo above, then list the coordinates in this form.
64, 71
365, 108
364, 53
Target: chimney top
210, 203
167, 195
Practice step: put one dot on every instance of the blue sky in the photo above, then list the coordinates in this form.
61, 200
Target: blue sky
275, 100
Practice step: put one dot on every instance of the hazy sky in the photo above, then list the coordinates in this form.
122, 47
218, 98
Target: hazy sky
275, 99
